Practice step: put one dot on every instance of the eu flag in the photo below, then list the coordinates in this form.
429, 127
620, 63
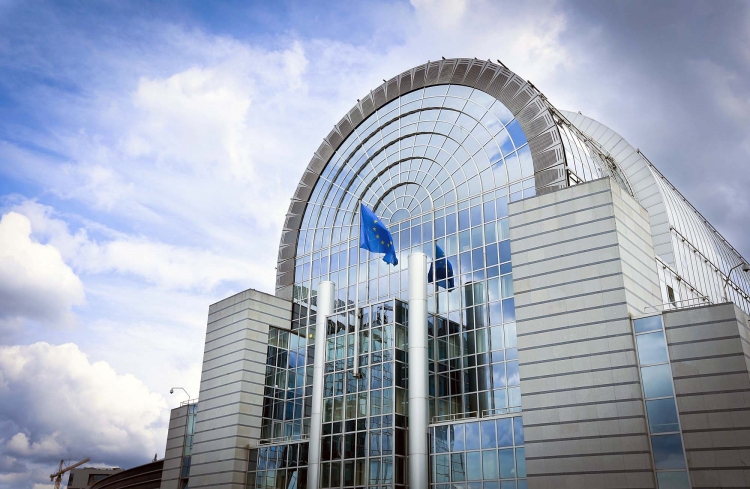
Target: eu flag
374, 236
443, 274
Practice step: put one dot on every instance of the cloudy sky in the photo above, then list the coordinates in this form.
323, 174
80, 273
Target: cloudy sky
148, 151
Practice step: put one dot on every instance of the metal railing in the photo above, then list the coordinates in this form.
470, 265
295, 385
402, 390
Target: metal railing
283, 439
188, 402
441, 418
681, 304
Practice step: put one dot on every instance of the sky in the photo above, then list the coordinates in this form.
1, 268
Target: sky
148, 152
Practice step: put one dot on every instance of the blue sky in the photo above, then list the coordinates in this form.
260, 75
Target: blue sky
148, 151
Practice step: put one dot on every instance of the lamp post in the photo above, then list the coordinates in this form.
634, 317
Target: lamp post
171, 391
745, 268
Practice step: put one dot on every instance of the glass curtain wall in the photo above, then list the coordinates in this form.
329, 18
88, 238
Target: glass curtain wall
439, 166
281, 460
364, 419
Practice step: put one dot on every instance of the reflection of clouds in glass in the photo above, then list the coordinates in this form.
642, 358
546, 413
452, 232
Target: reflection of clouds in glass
668, 452
453, 124
527, 164
652, 348
516, 133
513, 166
657, 381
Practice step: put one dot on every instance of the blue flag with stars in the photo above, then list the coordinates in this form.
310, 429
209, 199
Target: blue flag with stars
443, 270
374, 236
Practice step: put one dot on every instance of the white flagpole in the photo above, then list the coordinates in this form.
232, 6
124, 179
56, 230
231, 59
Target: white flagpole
356, 298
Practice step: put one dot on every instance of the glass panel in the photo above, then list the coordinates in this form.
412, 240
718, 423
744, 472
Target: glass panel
488, 434
668, 452
518, 430
521, 462
489, 464
504, 432
662, 415
652, 348
458, 467
651, 323
457, 437
474, 465
472, 436
441, 439
673, 480
657, 381
507, 464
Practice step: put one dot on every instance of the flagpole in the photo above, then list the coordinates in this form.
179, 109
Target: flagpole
356, 299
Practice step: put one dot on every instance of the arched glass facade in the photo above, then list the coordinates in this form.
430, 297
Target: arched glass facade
439, 166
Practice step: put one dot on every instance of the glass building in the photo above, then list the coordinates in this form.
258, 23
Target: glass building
567, 347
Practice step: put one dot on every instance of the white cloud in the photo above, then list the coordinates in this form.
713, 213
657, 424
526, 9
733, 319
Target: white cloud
35, 282
166, 265
55, 404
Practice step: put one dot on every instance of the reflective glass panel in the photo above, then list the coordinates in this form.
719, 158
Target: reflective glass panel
474, 465
652, 348
662, 415
668, 452
673, 480
657, 381
651, 323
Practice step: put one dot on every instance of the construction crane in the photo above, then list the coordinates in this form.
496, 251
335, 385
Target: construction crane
57, 476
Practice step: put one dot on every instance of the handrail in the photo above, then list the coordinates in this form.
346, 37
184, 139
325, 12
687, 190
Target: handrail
283, 439
485, 413
188, 402
660, 307
452, 417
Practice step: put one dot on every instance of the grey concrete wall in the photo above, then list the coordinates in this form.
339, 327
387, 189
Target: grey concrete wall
709, 349
583, 262
170, 475
232, 381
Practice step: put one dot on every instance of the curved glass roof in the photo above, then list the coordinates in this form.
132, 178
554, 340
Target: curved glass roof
422, 151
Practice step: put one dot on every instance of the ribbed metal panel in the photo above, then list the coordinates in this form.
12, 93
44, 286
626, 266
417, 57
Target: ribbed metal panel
549, 176
497, 84
404, 83
521, 99
471, 76
538, 125
334, 138
486, 77
286, 266
368, 106
530, 112
324, 151
391, 89
418, 78
355, 115
344, 127
509, 90
378, 96
303, 192
446, 71
547, 158
316, 165
544, 141
459, 72
433, 70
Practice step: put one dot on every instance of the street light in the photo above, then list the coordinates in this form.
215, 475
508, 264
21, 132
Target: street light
745, 268
171, 391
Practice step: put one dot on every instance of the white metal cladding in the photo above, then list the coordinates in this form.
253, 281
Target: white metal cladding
683, 239
519, 96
